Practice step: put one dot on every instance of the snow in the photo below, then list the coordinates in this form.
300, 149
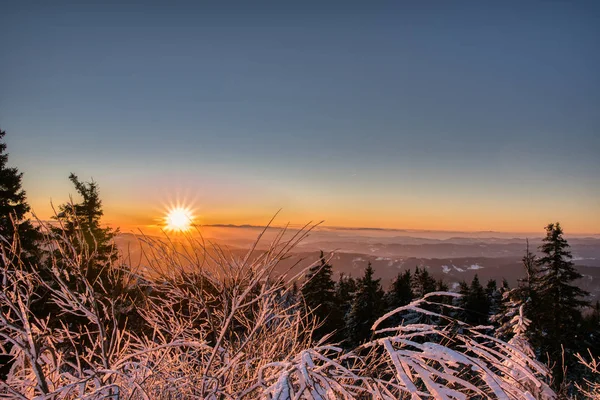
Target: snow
579, 258
446, 269
475, 266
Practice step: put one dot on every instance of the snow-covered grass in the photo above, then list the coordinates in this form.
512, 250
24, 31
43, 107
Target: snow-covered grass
211, 325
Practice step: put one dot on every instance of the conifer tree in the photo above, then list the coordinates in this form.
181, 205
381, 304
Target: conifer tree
462, 302
524, 296
529, 285
345, 290
14, 224
441, 286
494, 296
97, 260
320, 297
474, 303
500, 318
368, 305
81, 224
479, 305
422, 283
17, 231
400, 294
560, 300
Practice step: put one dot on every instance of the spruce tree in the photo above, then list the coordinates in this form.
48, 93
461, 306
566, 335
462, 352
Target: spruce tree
17, 233
422, 283
400, 294
525, 296
319, 295
368, 305
528, 288
81, 224
15, 227
500, 318
462, 302
441, 286
494, 296
479, 305
96, 262
345, 290
560, 300
474, 303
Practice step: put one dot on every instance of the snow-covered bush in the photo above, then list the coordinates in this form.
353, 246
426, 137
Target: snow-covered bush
451, 360
212, 325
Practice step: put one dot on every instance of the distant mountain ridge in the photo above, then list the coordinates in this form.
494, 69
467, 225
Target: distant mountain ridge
452, 259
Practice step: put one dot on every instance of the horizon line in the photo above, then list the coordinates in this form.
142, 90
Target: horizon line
362, 228
357, 228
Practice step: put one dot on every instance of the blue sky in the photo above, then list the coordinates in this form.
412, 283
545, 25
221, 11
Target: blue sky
445, 115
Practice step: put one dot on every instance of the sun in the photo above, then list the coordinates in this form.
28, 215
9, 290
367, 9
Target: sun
179, 219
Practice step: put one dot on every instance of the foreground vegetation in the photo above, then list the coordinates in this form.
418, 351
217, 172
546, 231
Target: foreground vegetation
229, 328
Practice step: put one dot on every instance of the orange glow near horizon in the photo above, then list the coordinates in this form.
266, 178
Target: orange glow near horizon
136, 216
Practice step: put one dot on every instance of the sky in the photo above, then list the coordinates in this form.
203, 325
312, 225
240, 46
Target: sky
416, 115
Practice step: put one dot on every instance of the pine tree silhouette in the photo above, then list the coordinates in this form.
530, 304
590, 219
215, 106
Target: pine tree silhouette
560, 300
81, 222
320, 297
15, 228
17, 232
400, 293
474, 303
422, 283
345, 289
368, 305
524, 296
